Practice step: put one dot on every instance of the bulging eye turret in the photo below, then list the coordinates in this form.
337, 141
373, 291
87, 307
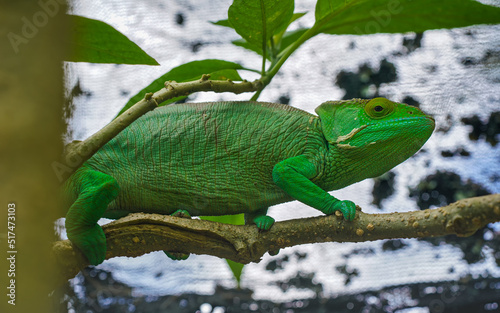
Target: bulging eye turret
379, 108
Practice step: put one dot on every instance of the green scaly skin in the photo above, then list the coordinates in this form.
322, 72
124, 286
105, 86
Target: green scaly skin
239, 157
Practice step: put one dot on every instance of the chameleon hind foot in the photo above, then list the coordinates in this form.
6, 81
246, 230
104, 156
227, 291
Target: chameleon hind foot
176, 256
97, 191
91, 241
274, 252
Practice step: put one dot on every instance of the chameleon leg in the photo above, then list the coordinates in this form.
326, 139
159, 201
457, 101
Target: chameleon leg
175, 255
260, 219
96, 191
181, 213
263, 222
293, 176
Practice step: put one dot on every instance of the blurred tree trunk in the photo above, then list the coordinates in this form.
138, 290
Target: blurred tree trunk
31, 98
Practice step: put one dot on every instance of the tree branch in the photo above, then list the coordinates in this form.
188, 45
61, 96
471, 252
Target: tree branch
79, 152
139, 233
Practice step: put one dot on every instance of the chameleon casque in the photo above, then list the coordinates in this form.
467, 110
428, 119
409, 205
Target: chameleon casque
225, 158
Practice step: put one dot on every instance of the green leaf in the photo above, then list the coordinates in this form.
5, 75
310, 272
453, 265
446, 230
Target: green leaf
225, 75
283, 39
236, 268
287, 39
247, 17
97, 42
361, 17
290, 37
238, 219
295, 17
279, 37
193, 70
245, 44
224, 23
218, 70
325, 7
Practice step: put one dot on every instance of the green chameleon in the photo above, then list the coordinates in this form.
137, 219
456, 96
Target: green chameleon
226, 158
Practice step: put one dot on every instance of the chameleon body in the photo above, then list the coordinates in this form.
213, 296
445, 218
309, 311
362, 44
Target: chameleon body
227, 158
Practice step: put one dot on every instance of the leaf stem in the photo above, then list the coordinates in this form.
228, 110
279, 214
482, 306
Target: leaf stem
264, 36
274, 68
313, 31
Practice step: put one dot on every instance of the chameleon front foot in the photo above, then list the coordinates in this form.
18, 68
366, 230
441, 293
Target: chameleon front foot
91, 241
348, 209
263, 222
260, 219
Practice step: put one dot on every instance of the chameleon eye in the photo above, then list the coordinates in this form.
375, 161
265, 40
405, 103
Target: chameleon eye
379, 108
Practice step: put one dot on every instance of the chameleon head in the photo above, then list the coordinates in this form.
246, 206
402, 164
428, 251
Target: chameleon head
379, 132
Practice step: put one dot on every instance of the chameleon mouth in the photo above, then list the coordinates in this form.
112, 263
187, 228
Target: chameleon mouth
415, 121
